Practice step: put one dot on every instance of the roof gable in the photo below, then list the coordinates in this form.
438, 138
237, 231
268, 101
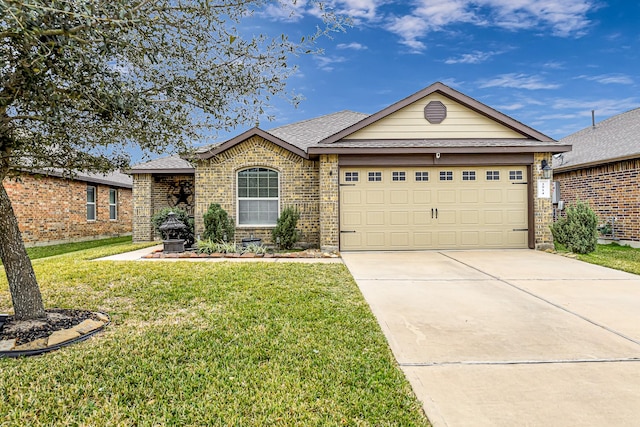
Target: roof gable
216, 149
411, 110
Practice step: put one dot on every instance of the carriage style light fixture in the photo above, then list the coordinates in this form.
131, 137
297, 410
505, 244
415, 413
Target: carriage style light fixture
546, 169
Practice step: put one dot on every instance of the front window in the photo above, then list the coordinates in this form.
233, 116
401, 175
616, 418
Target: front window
113, 204
91, 203
258, 197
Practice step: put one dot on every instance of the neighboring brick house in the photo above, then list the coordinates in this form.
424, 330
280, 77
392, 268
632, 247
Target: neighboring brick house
435, 170
603, 169
51, 209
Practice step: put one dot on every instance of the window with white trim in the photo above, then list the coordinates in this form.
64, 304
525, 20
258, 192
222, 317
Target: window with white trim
351, 176
113, 204
91, 203
422, 176
375, 176
446, 175
398, 176
468, 175
258, 197
493, 175
515, 175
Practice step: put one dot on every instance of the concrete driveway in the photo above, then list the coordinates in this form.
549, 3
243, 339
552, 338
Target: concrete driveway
509, 338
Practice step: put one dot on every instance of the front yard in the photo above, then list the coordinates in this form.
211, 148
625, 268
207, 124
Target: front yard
246, 344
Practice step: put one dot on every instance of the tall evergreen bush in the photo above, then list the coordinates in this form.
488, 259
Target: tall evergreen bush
578, 230
217, 224
285, 229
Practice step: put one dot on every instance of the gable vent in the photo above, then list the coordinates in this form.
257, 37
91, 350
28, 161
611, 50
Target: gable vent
435, 112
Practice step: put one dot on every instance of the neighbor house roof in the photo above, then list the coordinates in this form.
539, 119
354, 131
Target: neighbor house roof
614, 139
172, 164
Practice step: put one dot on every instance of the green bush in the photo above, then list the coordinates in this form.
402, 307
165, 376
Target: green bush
182, 216
578, 230
217, 224
286, 228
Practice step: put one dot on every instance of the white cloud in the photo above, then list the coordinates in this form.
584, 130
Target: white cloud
352, 46
476, 57
518, 81
325, 63
610, 79
284, 11
565, 18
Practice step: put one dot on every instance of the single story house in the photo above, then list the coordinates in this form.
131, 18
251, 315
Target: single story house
51, 208
435, 170
603, 169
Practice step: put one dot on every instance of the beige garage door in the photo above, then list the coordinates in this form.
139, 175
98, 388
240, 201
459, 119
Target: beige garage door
433, 208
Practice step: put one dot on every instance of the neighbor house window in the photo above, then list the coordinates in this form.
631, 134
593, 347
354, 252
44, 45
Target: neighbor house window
91, 203
113, 203
258, 197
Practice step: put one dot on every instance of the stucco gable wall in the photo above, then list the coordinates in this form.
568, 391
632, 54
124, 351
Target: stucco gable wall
612, 190
409, 123
215, 182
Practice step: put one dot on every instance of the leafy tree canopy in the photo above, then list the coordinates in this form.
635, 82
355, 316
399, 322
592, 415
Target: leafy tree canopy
81, 80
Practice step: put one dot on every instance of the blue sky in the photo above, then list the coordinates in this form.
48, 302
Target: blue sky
546, 63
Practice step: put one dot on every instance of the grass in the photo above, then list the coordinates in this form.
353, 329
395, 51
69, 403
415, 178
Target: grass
221, 344
52, 250
623, 258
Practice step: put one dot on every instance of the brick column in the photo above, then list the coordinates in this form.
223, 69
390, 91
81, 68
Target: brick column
543, 208
329, 202
142, 207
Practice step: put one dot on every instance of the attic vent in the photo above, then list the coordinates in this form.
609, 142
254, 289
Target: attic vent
435, 112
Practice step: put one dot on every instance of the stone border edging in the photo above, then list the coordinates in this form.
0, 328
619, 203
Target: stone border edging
35, 352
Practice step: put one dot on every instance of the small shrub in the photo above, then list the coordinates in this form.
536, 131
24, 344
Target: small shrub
217, 224
206, 247
228, 248
286, 228
256, 249
181, 215
578, 230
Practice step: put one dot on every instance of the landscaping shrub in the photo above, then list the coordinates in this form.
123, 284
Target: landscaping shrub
286, 228
578, 230
217, 224
181, 215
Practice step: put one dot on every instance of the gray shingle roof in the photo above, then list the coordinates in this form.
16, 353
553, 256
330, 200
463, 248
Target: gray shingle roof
613, 139
437, 143
164, 164
309, 132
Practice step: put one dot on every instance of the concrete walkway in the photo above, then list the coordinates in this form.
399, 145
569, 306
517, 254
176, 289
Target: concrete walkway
509, 338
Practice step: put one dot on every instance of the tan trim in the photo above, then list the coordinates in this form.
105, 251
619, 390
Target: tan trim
453, 95
430, 160
245, 136
596, 163
531, 208
432, 150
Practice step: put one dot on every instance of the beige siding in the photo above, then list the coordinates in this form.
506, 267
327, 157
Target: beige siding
409, 123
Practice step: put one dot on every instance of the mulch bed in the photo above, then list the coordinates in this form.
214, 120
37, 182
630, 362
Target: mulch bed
29, 330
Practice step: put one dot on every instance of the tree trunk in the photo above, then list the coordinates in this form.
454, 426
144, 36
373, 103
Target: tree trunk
25, 292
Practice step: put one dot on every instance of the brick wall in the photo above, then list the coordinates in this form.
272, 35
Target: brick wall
215, 181
612, 190
329, 202
54, 210
542, 207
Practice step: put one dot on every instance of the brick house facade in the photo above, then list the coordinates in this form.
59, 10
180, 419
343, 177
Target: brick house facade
309, 160
603, 169
51, 209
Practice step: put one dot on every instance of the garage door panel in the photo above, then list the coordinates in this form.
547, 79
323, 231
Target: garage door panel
423, 212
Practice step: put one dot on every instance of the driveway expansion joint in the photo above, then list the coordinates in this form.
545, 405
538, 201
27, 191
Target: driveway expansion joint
517, 362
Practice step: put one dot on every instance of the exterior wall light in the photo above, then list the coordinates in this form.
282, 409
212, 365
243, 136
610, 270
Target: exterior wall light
546, 169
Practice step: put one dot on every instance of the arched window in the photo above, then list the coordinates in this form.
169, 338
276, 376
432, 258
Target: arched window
258, 197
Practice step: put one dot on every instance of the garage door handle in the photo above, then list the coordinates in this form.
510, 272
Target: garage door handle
431, 213
436, 213
347, 231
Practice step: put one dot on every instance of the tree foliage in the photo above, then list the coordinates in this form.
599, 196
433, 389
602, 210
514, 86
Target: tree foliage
578, 230
83, 81
218, 227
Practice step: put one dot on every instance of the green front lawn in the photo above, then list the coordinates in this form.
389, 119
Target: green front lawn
242, 344
623, 258
38, 252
